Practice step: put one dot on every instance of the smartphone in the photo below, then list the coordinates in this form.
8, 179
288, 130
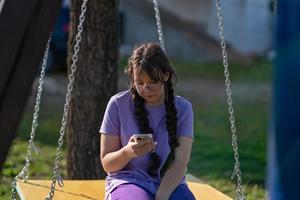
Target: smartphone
140, 137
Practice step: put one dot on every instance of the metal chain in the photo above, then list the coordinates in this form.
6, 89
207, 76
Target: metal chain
24, 174
236, 172
159, 27
56, 176
239, 194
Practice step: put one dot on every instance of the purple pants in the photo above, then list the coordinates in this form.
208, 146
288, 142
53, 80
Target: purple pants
132, 191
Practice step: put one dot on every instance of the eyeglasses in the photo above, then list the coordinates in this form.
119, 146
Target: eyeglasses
153, 85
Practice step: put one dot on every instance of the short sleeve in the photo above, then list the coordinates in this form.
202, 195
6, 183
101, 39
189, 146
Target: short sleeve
186, 123
111, 121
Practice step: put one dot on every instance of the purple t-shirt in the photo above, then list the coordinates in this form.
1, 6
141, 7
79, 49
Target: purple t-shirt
119, 120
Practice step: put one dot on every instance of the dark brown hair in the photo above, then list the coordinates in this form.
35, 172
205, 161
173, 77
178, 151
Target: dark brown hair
152, 60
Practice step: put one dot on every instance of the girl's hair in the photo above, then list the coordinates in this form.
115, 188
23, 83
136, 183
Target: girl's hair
152, 60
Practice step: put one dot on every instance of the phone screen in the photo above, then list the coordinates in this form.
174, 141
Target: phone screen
140, 137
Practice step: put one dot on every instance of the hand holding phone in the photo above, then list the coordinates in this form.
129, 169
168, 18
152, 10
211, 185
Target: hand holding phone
140, 144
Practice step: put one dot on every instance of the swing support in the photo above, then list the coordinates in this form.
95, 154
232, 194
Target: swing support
94, 189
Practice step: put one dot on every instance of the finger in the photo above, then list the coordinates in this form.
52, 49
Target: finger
132, 139
141, 149
141, 143
154, 144
149, 147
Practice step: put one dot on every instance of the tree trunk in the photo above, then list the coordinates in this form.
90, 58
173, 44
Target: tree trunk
95, 82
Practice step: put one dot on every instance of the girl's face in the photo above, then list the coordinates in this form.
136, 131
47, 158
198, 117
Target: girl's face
151, 90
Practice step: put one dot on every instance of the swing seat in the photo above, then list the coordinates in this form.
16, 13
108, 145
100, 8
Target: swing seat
94, 190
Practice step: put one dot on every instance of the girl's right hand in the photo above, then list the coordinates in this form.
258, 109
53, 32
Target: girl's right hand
136, 148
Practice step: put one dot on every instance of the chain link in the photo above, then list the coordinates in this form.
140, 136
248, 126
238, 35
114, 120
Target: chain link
24, 174
236, 172
56, 177
239, 194
159, 27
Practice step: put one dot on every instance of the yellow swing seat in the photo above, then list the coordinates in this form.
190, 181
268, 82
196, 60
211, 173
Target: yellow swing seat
94, 190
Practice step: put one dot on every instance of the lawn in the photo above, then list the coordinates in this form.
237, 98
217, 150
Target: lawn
259, 70
212, 157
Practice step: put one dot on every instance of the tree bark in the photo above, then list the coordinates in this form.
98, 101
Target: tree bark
95, 82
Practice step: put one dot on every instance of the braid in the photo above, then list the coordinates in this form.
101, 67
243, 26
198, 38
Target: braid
151, 59
171, 123
143, 124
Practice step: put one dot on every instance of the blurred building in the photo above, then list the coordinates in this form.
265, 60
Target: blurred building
190, 27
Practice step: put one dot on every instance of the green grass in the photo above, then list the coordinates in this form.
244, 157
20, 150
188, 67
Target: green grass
45, 141
257, 71
48, 129
212, 155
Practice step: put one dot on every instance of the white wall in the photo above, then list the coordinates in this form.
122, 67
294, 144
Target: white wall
247, 23
247, 26
141, 27
191, 10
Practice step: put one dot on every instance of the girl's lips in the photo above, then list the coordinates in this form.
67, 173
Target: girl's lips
148, 95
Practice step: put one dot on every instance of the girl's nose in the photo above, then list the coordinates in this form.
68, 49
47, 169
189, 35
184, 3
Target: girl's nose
146, 89
146, 86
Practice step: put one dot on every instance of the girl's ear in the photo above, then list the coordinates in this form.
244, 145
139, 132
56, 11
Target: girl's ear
166, 76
